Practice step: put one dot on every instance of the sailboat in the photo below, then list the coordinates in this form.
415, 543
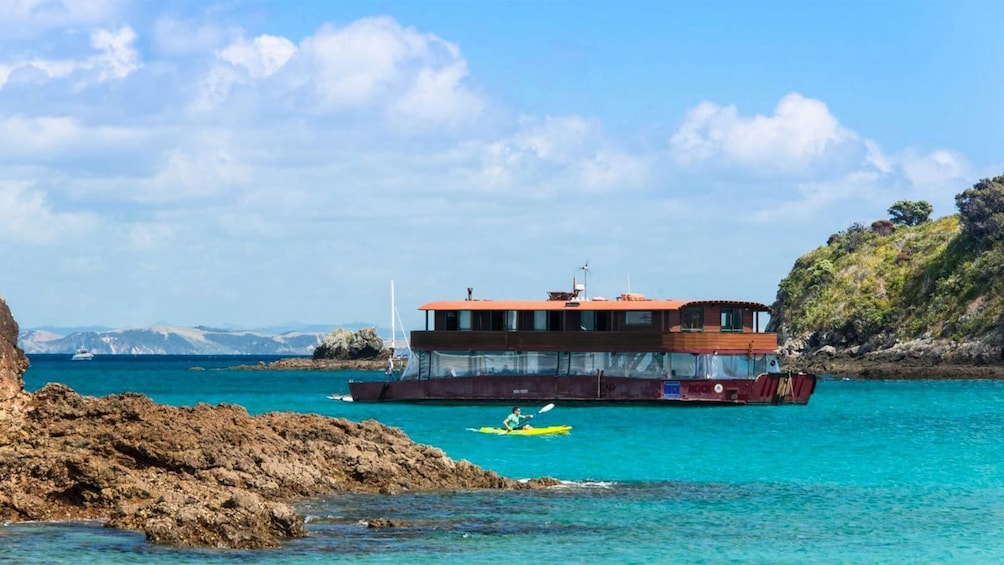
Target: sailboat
395, 318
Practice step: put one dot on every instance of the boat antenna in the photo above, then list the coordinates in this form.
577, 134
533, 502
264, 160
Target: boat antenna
585, 280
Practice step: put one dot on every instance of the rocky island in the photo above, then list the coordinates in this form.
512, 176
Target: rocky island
207, 476
904, 298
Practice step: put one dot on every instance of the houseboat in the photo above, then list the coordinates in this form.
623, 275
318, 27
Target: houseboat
574, 349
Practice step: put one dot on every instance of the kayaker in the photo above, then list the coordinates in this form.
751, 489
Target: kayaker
512, 421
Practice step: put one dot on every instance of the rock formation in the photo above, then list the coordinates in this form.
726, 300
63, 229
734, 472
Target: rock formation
344, 345
210, 476
13, 363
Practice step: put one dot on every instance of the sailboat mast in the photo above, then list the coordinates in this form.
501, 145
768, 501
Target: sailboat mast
393, 328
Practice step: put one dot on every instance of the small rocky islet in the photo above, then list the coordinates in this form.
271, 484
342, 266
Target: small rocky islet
205, 476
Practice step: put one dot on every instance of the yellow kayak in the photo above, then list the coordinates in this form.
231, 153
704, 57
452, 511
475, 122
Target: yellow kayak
548, 431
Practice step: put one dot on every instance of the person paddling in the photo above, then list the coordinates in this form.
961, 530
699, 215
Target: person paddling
512, 421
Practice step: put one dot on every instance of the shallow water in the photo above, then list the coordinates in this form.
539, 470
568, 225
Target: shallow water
868, 472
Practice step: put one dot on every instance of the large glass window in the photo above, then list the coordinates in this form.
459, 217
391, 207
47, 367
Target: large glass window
682, 364
639, 318
732, 320
692, 319
540, 320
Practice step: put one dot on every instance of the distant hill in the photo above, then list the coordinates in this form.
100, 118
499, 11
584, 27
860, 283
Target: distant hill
923, 295
173, 340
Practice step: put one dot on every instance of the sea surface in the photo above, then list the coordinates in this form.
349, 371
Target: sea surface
867, 472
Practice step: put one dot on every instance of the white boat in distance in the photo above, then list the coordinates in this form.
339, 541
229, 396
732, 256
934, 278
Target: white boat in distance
83, 355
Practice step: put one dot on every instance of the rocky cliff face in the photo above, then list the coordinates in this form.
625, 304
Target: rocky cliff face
210, 476
13, 363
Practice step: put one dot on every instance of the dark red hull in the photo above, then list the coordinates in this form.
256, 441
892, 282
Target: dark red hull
774, 388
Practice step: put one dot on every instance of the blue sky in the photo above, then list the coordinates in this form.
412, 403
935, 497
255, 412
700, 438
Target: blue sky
257, 163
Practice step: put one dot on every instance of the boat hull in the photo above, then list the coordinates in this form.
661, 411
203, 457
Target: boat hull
767, 388
546, 431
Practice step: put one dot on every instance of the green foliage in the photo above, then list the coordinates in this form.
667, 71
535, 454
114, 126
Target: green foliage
981, 211
910, 212
926, 279
851, 239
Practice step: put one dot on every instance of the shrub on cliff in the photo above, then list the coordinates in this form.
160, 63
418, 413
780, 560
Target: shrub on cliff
981, 211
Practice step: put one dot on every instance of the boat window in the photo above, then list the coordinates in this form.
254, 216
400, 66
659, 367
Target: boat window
682, 364
465, 320
586, 363
692, 319
450, 320
540, 320
732, 320
488, 320
587, 320
604, 321
497, 320
573, 321
538, 363
555, 320
638, 318
510, 323
480, 321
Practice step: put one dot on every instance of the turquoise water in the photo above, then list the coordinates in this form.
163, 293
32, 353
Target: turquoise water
868, 472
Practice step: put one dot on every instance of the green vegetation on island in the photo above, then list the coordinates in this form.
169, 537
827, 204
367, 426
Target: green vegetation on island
903, 289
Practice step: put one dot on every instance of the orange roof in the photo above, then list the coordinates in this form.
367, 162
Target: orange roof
618, 305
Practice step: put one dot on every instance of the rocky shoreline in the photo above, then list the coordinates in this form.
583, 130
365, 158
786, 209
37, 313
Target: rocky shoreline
921, 359
207, 476
307, 364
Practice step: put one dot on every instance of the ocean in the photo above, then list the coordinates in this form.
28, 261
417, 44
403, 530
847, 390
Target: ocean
867, 472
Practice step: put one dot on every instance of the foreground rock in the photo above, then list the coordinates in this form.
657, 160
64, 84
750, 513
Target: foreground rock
209, 476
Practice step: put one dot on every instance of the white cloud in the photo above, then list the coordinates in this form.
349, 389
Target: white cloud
22, 135
373, 66
799, 134
436, 96
26, 217
53, 141
261, 57
203, 169
28, 18
174, 36
115, 57
935, 169
567, 154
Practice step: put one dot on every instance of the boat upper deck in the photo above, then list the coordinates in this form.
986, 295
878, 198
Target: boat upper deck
636, 304
631, 322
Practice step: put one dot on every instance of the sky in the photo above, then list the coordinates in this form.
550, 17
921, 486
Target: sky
249, 164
